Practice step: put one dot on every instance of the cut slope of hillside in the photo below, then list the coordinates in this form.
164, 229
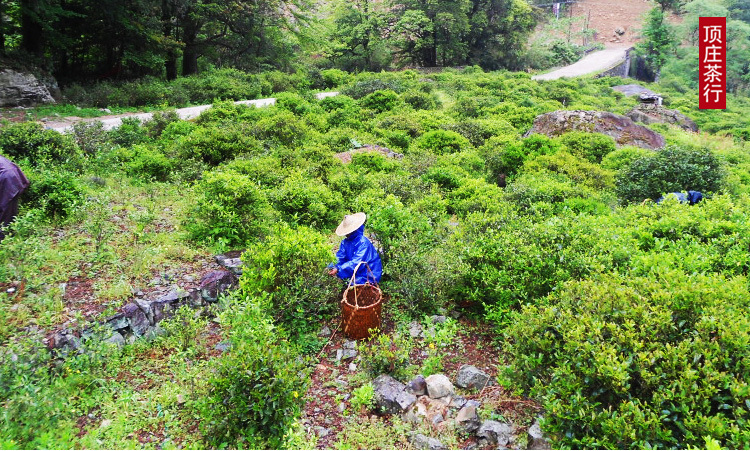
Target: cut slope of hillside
610, 17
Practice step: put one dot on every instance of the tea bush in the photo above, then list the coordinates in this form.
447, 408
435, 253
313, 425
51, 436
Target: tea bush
254, 395
577, 169
621, 158
229, 208
29, 140
129, 133
56, 192
281, 128
214, 145
308, 202
290, 267
380, 101
146, 162
441, 142
333, 78
672, 169
657, 361
385, 354
589, 146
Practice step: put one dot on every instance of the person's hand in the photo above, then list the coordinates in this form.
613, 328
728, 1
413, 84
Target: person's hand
333, 271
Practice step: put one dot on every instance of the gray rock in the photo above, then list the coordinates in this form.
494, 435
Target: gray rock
325, 332
350, 344
437, 419
145, 306
352, 367
467, 419
415, 330
496, 433
349, 354
417, 386
438, 319
439, 386
420, 441
457, 402
117, 321
137, 320
391, 395
155, 332
216, 282
232, 264
321, 431
470, 376
223, 346
537, 439
22, 89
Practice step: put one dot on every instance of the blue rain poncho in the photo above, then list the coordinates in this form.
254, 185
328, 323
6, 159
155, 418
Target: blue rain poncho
355, 248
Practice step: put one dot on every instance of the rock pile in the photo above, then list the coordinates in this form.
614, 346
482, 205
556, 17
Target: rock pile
433, 401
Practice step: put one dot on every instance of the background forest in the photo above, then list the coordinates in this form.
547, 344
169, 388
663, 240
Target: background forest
621, 321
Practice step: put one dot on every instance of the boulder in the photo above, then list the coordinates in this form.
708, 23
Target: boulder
468, 419
657, 114
439, 386
470, 376
116, 339
417, 386
420, 441
434, 410
495, 433
624, 131
137, 320
216, 282
537, 439
22, 89
391, 395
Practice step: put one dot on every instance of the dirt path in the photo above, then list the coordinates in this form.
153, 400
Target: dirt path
64, 125
592, 63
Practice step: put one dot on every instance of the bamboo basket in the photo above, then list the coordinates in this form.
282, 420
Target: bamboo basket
361, 306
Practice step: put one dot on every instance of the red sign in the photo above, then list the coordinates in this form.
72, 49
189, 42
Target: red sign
712, 52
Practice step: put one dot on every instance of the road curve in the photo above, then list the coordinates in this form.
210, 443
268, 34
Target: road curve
594, 62
183, 113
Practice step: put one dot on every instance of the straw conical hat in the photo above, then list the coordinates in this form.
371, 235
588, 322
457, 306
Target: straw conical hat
350, 224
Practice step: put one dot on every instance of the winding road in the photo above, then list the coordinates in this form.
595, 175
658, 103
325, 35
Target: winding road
593, 63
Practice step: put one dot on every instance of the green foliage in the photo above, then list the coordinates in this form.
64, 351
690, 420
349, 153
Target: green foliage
290, 266
254, 395
380, 101
129, 133
441, 142
282, 128
576, 169
229, 208
589, 146
214, 145
29, 140
658, 361
621, 158
363, 398
182, 328
672, 169
56, 192
308, 202
333, 78
149, 163
385, 354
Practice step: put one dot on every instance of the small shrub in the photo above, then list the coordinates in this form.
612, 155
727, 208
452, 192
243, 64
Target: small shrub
31, 141
129, 133
383, 354
230, 208
333, 78
363, 398
380, 101
289, 266
307, 202
575, 168
441, 142
621, 158
214, 145
183, 328
149, 163
283, 128
589, 146
57, 192
420, 100
159, 121
672, 169
365, 87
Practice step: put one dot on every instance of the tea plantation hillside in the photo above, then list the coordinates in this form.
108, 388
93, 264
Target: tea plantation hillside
620, 321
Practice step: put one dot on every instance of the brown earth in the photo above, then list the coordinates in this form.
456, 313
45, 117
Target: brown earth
606, 16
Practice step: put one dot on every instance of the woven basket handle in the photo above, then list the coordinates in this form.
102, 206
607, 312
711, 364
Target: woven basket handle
354, 276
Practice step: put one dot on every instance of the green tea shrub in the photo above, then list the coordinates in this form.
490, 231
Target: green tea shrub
221, 84
474, 194
289, 267
505, 157
31, 141
293, 102
159, 121
527, 190
364, 87
405, 123
373, 162
230, 208
91, 138
478, 131
277, 81
441, 142
283, 128
149, 163
55, 191
333, 78
622, 157
385, 354
339, 102
659, 361
589, 146
672, 169
520, 116
420, 100
308, 202
266, 171
255, 393
214, 145
447, 177
380, 101
228, 111
129, 133
575, 168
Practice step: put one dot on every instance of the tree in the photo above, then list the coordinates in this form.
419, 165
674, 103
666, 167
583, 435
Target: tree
660, 41
498, 31
357, 29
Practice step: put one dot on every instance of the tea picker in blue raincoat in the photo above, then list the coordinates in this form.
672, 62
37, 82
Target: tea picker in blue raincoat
356, 248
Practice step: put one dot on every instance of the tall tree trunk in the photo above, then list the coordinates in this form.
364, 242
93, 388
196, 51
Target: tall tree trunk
170, 64
31, 29
190, 52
